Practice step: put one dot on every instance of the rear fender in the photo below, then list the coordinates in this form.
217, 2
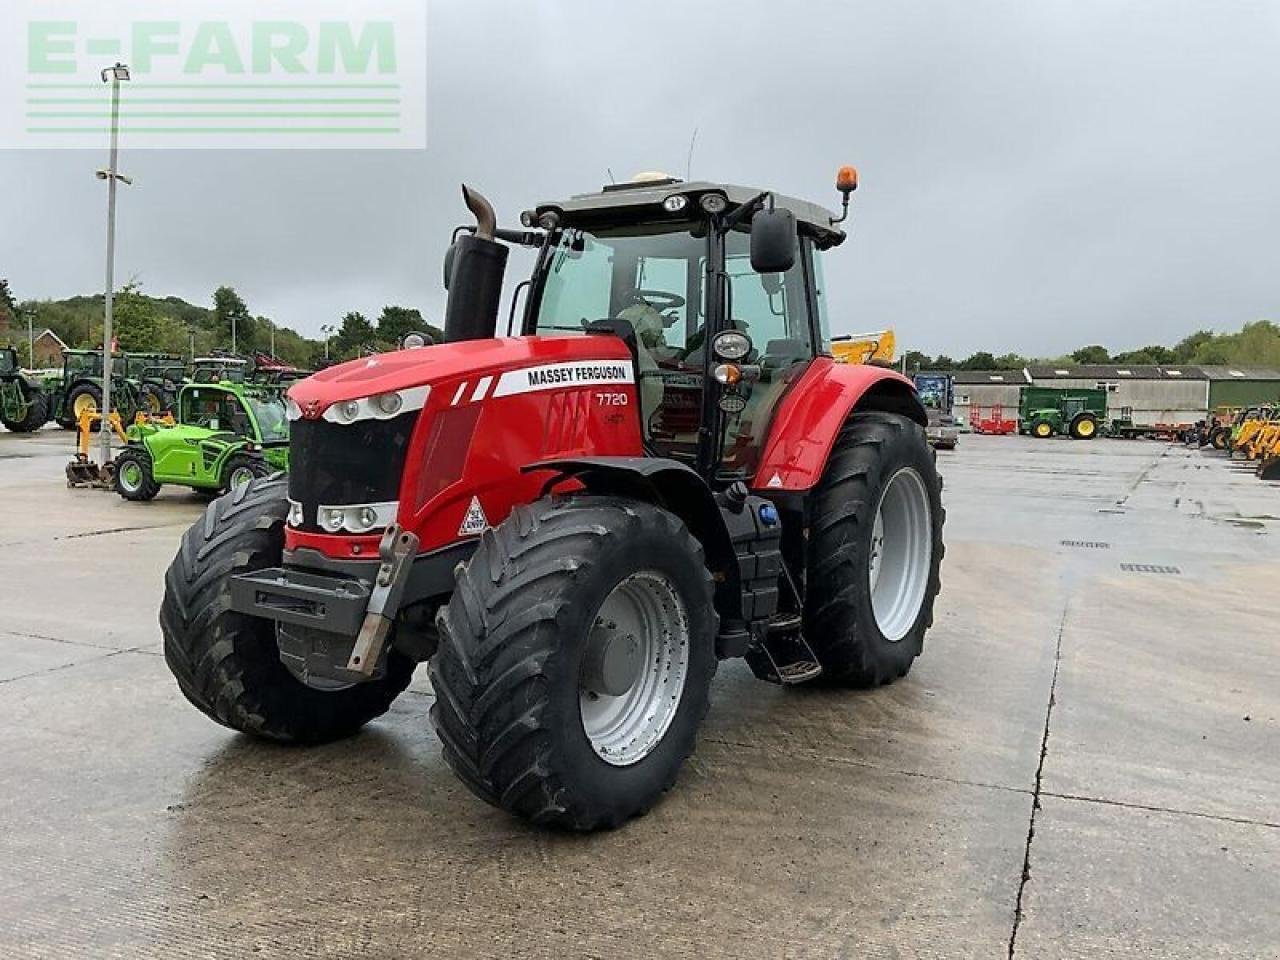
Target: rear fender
810, 416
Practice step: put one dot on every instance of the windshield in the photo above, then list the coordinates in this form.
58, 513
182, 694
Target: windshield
271, 417
649, 275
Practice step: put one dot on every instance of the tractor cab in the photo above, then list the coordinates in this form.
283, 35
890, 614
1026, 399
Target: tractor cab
254, 415
720, 326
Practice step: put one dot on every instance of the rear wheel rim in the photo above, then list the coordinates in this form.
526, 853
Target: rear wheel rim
901, 554
1086, 428
85, 404
644, 617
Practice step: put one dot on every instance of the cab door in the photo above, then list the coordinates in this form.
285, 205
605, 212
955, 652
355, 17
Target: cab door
775, 311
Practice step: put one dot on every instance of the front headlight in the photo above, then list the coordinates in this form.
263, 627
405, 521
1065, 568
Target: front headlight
332, 518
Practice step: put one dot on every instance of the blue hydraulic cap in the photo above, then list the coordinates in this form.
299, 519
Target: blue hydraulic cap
768, 514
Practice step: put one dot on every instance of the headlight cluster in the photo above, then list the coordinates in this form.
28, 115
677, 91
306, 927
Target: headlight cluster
382, 406
356, 518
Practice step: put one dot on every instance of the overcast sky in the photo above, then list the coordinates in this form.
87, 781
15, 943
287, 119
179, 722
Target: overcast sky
1035, 175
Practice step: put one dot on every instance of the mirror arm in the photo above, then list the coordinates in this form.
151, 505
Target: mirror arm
744, 212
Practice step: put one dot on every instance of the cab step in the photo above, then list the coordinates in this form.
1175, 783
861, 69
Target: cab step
783, 656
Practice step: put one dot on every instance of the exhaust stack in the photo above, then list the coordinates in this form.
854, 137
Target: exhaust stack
475, 276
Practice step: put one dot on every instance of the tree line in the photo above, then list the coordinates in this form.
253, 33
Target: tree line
1257, 344
142, 323
171, 325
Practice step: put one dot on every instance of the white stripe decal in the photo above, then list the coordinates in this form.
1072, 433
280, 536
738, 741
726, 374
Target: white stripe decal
462, 388
481, 388
563, 376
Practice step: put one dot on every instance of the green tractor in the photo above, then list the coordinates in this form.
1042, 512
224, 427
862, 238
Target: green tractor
225, 435
1051, 411
24, 406
156, 378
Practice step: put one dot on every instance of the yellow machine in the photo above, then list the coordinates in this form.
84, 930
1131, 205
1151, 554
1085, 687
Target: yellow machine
877, 348
82, 471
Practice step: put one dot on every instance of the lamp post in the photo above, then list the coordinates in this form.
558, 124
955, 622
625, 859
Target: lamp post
31, 339
115, 76
327, 330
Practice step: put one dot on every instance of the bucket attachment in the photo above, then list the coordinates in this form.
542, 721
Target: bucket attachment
84, 473
1270, 469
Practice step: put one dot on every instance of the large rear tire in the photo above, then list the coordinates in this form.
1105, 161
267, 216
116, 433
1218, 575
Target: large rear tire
875, 549
35, 416
575, 661
226, 663
1084, 427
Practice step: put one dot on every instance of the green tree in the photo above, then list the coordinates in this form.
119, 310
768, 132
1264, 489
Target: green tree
395, 322
1010, 361
1185, 350
1094, 353
229, 309
134, 319
979, 361
916, 360
355, 335
943, 362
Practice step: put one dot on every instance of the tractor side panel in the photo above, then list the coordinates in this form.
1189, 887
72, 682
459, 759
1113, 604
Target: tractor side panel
806, 423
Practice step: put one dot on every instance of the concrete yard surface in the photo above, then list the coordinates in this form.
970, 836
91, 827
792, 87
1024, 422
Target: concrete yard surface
1084, 763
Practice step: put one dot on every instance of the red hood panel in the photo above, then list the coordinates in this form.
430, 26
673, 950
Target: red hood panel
386, 372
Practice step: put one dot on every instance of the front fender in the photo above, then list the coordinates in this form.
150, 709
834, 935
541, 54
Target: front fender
810, 416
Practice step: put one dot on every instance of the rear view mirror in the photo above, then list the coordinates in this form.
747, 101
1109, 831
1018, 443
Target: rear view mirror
773, 241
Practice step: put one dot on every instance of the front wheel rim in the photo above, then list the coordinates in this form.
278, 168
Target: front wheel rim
901, 554
644, 617
240, 476
131, 477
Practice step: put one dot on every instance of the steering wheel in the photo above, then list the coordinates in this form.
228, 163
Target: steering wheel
660, 300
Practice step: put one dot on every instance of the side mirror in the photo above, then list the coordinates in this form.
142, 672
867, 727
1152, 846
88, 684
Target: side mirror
448, 263
773, 241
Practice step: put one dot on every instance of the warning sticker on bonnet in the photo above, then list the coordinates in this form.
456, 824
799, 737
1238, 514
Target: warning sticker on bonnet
553, 376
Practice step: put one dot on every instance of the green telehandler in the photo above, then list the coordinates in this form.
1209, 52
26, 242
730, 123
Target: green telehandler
225, 434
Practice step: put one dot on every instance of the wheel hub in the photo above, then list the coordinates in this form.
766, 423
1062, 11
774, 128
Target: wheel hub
612, 661
634, 668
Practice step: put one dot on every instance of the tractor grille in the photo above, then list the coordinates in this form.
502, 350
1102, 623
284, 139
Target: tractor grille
336, 464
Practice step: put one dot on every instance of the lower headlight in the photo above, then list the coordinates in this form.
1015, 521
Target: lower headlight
295, 513
332, 519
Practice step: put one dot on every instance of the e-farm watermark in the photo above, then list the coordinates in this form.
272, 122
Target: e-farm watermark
271, 74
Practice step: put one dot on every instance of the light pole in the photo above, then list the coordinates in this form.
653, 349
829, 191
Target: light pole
31, 339
327, 330
113, 75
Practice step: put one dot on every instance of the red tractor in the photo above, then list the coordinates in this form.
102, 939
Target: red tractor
664, 469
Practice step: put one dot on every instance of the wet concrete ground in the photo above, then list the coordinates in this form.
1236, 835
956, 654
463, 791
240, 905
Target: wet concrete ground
1085, 762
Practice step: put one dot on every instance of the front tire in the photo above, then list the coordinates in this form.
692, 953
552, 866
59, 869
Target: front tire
135, 475
227, 663
241, 469
875, 549
1084, 427
1042, 429
537, 711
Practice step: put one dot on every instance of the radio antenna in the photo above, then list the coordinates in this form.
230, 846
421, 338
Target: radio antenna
609, 171
688, 171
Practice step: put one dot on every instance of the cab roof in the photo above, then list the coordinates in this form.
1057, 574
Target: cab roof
636, 199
